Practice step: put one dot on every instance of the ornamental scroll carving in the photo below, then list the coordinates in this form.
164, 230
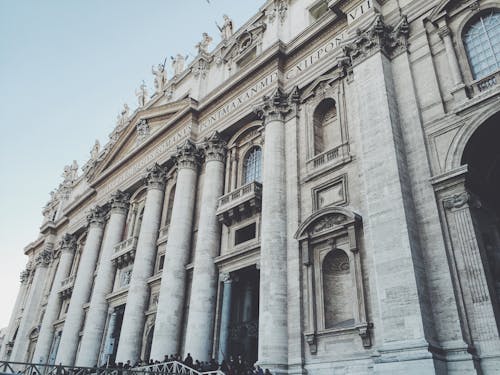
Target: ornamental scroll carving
188, 155
277, 105
44, 258
155, 177
119, 201
327, 222
24, 276
96, 216
214, 147
68, 243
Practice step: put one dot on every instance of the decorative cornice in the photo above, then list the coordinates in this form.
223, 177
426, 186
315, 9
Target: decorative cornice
68, 243
378, 37
96, 216
275, 107
119, 202
43, 258
187, 155
215, 148
155, 177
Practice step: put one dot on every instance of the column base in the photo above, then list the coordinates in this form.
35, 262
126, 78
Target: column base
489, 356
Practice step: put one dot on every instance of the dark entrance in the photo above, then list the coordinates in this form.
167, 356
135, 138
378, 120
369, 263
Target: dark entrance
114, 329
482, 156
244, 326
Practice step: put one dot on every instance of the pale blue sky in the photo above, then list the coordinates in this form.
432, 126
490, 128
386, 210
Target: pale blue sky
66, 68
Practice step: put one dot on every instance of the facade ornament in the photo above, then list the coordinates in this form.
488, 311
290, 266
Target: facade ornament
24, 276
178, 64
155, 177
122, 118
225, 277
94, 153
187, 155
43, 258
68, 243
312, 342
379, 36
215, 147
364, 333
279, 10
119, 201
70, 173
143, 130
142, 95
456, 200
276, 106
160, 79
226, 30
204, 44
96, 216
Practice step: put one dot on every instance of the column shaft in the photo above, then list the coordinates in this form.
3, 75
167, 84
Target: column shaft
129, 347
170, 312
82, 289
201, 316
96, 316
46, 335
225, 319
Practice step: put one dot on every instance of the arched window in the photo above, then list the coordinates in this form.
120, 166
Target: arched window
482, 43
252, 166
337, 286
324, 118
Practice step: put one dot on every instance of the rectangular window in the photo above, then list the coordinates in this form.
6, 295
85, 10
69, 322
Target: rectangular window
245, 234
161, 262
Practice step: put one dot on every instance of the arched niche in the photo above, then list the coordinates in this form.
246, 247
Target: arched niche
333, 279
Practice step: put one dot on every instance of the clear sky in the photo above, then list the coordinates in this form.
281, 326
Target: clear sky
66, 68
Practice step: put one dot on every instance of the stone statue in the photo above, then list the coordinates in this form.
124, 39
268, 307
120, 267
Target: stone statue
122, 118
203, 45
94, 153
160, 79
178, 63
74, 170
142, 95
226, 30
66, 174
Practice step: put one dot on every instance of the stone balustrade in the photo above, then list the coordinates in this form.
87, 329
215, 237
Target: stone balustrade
124, 252
240, 203
328, 158
67, 286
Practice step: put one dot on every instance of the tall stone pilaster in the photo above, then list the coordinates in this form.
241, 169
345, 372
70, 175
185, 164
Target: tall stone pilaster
82, 288
33, 301
225, 316
170, 312
96, 316
201, 315
46, 335
11, 328
132, 329
273, 336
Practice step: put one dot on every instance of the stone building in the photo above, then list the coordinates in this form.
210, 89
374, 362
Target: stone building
318, 192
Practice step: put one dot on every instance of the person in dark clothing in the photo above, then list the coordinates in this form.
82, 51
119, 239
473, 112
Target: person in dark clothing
188, 361
267, 372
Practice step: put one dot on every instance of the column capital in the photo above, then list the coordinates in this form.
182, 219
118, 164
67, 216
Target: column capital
215, 148
119, 202
43, 258
68, 243
276, 106
187, 156
96, 216
225, 277
24, 276
155, 177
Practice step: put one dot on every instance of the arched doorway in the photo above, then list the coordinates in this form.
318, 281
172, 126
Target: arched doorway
482, 157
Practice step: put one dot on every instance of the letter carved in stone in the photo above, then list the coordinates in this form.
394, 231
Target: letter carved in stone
155, 177
215, 147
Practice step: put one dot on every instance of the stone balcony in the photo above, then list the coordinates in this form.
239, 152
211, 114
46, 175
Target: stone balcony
67, 286
328, 159
124, 252
240, 203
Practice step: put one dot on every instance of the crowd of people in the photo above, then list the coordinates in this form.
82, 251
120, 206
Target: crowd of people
231, 366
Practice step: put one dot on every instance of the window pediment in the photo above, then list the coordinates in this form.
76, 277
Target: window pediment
326, 220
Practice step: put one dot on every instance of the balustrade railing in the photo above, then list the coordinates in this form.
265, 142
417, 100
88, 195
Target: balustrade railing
126, 245
68, 282
240, 194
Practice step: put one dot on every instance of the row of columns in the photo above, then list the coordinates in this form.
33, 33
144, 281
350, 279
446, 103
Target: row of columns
102, 237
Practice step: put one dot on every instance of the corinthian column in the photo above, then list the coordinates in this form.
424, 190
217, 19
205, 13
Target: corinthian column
200, 324
129, 346
172, 291
273, 337
42, 261
46, 335
82, 288
96, 316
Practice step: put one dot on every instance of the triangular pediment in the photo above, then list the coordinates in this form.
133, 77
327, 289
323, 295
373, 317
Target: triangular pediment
143, 125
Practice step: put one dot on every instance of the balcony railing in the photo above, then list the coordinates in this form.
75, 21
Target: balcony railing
328, 158
485, 83
124, 252
240, 203
67, 286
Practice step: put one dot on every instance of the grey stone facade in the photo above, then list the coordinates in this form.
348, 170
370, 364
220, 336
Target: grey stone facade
317, 193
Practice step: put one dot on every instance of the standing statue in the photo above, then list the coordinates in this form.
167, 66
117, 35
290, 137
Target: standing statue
226, 30
94, 153
142, 95
74, 170
122, 118
203, 45
178, 63
160, 79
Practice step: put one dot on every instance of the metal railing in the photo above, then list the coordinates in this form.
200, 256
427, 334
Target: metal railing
166, 368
